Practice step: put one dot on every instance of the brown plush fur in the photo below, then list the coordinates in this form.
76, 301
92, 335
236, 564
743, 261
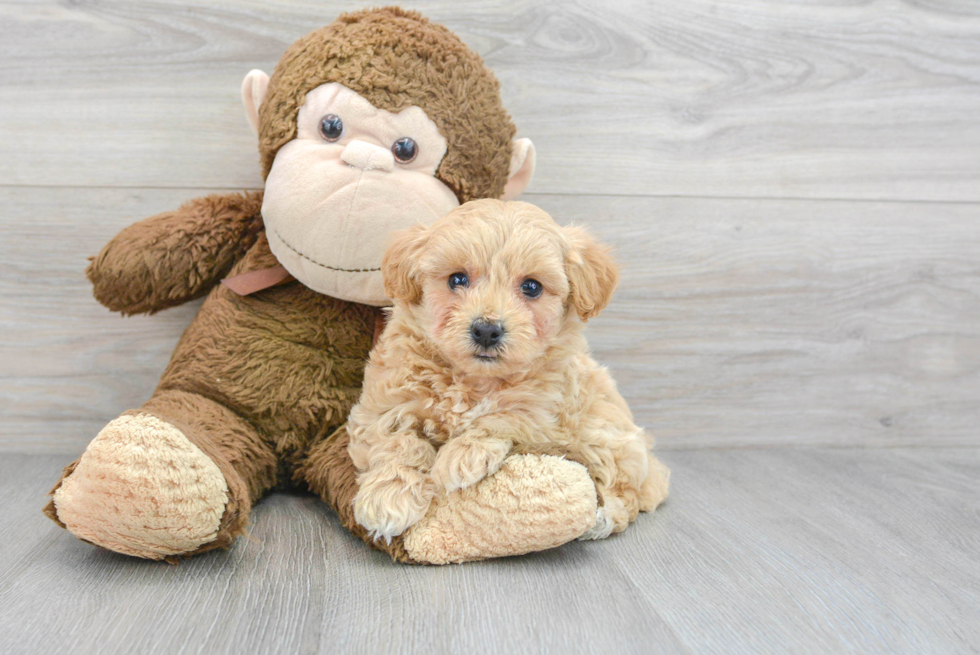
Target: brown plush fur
261, 384
329, 472
255, 380
396, 59
176, 256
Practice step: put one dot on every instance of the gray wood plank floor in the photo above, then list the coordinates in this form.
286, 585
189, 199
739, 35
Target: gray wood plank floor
792, 190
757, 551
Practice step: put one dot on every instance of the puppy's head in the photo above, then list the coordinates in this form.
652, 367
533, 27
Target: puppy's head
492, 284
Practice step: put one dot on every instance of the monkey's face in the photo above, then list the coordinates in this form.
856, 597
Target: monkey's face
353, 174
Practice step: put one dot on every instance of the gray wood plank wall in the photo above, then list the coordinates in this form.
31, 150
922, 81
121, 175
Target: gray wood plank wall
793, 190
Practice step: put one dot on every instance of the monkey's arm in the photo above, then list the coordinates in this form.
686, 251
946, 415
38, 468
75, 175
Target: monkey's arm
176, 256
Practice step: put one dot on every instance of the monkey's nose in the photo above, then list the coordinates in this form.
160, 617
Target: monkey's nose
368, 157
485, 333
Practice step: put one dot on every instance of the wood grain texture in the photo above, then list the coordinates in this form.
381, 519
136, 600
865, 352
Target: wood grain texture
773, 551
786, 352
855, 99
738, 323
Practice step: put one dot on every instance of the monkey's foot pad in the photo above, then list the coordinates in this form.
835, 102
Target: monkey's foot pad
142, 488
532, 503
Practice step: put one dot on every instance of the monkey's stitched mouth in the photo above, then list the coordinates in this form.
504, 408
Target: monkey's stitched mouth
329, 268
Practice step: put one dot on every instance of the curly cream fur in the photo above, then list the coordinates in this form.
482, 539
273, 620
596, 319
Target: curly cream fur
438, 413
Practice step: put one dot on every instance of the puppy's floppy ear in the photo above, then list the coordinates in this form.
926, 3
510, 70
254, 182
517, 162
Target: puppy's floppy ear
399, 263
592, 273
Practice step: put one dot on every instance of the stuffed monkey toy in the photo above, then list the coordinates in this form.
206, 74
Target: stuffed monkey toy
373, 123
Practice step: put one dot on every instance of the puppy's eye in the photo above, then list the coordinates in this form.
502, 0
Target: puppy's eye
331, 127
405, 150
457, 280
531, 288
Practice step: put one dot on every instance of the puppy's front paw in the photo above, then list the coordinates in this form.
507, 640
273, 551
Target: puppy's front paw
464, 461
387, 507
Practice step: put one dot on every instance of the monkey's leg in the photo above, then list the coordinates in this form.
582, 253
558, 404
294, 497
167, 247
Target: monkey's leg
175, 477
534, 502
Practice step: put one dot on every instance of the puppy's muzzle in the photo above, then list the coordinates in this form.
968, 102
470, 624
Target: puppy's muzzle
486, 334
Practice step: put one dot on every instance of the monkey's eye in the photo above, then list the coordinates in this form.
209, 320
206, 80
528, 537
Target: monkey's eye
531, 288
331, 127
405, 149
457, 280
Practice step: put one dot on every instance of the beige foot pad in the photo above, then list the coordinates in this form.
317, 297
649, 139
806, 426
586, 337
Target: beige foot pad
141, 488
532, 503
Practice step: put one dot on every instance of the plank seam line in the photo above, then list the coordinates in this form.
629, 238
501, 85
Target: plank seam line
664, 449
918, 201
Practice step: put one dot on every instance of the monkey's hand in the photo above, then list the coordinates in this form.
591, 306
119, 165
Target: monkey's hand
173, 257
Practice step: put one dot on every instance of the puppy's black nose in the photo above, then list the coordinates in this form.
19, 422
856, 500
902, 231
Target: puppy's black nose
485, 333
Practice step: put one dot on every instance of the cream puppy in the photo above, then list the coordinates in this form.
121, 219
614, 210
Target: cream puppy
483, 357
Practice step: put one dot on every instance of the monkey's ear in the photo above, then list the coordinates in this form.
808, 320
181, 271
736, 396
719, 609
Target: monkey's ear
592, 273
521, 169
398, 267
254, 86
